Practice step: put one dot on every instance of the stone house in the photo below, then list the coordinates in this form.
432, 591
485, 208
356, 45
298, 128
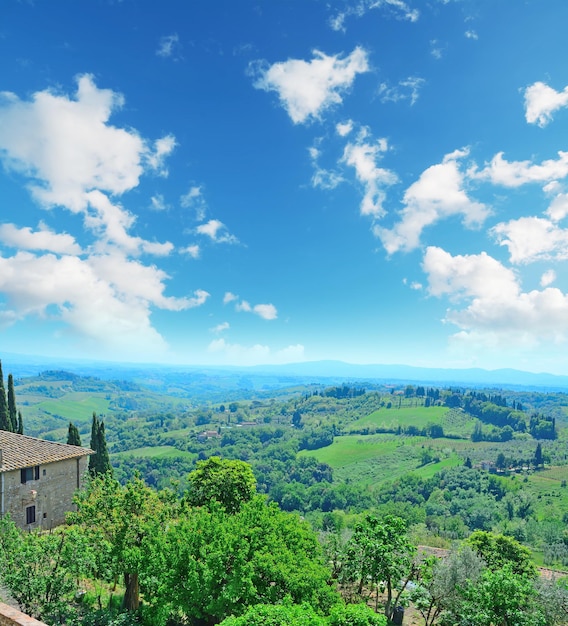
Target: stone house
38, 479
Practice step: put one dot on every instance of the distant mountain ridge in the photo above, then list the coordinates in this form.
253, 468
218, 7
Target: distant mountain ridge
307, 371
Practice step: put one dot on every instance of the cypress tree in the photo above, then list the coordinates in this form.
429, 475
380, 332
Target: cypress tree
73, 437
94, 444
99, 463
5, 422
20, 423
102, 452
12, 413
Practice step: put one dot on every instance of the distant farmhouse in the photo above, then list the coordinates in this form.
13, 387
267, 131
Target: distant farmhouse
38, 479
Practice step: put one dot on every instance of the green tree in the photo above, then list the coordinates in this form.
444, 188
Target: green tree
5, 422
20, 423
380, 554
538, 456
228, 482
123, 524
438, 594
501, 598
500, 550
41, 570
73, 437
217, 564
12, 412
99, 463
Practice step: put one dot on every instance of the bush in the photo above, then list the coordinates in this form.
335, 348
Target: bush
355, 615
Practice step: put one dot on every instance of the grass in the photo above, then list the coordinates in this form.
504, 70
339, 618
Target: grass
371, 459
77, 406
453, 421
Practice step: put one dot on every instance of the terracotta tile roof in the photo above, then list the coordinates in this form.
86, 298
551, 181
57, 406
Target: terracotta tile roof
22, 451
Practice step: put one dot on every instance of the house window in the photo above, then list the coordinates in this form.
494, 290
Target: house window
30, 515
29, 473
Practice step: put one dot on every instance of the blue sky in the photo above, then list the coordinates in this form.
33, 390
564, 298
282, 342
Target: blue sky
374, 181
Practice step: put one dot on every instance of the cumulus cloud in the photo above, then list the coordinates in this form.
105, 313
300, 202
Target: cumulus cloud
193, 251
471, 34
495, 306
547, 278
216, 231
103, 299
266, 311
558, 208
344, 128
530, 239
66, 147
363, 155
75, 159
229, 297
408, 89
398, 8
309, 88
438, 194
41, 239
541, 101
516, 173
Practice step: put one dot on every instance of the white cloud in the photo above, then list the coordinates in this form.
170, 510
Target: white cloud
547, 278
110, 222
229, 297
158, 203
194, 200
363, 156
220, 328
471, 34
156, 158
344, 128
216, 231
266, 311
105, 300
75, 159
407, 89
42, 239
541, 101
169, 46
309, 88
558, 208
517, 173
233, 353
243, 305
530, 239
325, 179
496, 310
193, 251
66, 146
438, 194
399, 9
436, 50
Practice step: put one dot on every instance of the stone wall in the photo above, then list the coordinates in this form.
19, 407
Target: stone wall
12, 617
51, 494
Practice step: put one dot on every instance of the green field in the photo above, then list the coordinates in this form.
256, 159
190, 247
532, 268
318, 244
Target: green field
74, 406
453, 421
370, 459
